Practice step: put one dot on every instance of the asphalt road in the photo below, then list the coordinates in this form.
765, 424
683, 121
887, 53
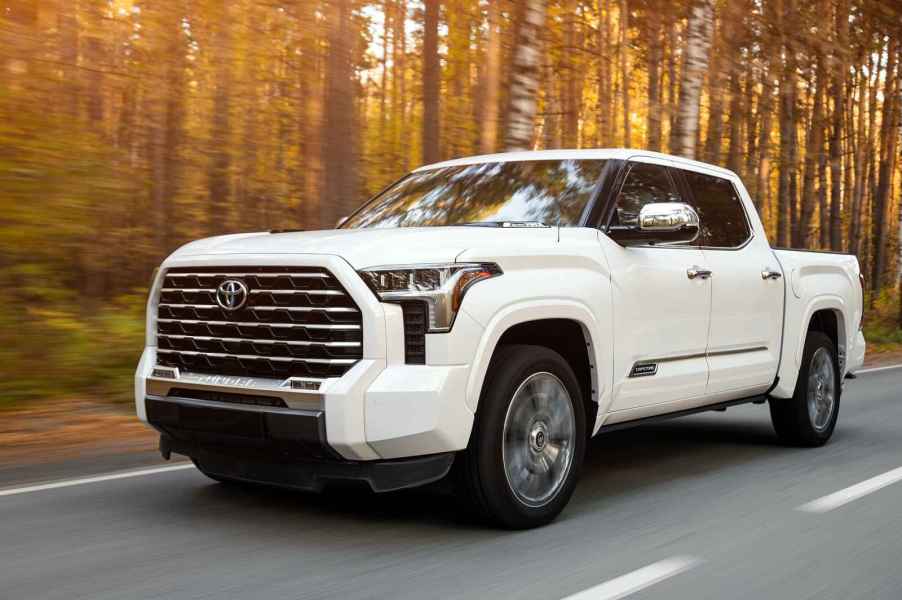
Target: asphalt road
700, 507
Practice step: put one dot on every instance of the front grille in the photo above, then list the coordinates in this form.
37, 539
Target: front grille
297, 322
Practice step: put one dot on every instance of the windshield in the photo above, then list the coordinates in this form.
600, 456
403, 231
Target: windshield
546, 192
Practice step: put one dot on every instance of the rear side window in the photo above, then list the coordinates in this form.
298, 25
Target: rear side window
720, 211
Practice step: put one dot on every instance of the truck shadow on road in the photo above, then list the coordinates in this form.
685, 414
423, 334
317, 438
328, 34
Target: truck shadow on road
620, 467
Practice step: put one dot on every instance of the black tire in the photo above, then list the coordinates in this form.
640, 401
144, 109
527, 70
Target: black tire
791, 417
481, 466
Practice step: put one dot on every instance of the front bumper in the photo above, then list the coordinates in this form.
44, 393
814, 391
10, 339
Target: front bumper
261, 445
380, 409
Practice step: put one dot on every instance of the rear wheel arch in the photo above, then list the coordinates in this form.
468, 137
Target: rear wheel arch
831, 323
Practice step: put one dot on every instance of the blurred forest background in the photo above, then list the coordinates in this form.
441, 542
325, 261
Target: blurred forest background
128, 127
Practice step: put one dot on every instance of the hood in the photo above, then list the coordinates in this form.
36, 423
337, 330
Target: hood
372, 247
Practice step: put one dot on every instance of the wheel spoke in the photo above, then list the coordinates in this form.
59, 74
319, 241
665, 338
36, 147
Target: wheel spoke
821, 390
538, 439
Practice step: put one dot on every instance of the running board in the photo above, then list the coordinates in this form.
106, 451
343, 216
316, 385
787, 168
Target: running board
720, 406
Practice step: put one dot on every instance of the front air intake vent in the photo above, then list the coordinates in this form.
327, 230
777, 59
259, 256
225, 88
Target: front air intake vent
415, 315
229, 398
272, 322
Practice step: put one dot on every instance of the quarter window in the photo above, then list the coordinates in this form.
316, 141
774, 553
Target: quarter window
722, 218
644, 184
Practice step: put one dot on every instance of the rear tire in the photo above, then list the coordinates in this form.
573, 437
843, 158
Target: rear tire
809, 417
528, 441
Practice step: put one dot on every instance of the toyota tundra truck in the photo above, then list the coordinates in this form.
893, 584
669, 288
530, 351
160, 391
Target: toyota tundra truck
481, 318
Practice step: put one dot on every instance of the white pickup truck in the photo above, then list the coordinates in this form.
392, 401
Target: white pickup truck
482, 318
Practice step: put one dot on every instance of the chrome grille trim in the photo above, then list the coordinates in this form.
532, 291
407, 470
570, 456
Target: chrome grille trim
213, 291
251, 274
256, 341
314, 292
344, 327
306, 308
298, 322
341, 309
317, 361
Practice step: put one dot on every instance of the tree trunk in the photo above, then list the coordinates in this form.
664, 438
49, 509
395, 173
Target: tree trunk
218, 200
167, 102
525, 78
399, 77
815, 148
67, 22
431, 83
752, 111
785, 196
95, 57
889, 137
859, 134
673, 85
721, 66
839, 69
338, 148
823, 206
695, 63
571, 88
864, 173
654, 77
734, 151
551, 119
489, 130
604, 74
624, 72
309, 122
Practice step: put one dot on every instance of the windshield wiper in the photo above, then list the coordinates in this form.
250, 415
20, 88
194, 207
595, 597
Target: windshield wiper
507, 224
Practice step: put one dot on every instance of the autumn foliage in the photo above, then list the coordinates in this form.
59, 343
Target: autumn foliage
128, 127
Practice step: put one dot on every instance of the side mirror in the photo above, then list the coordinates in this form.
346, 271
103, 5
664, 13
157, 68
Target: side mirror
341, 221
659, 223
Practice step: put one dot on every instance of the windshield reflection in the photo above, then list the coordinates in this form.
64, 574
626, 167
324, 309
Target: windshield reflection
550, 192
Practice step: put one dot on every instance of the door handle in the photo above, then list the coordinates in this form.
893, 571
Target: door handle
696, 272
768, 274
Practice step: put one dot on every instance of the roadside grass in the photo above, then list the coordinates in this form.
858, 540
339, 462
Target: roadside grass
59, 353
881, 323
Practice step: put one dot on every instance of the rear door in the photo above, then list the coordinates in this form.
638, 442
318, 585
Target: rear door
746, 289
661, 313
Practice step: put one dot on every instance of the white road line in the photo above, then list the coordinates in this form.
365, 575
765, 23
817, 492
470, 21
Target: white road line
875, 369
859, 490
623, 586
83, 480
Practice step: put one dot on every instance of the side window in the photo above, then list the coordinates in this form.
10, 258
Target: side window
720, 212
643, 185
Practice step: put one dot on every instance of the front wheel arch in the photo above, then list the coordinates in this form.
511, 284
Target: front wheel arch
571, 340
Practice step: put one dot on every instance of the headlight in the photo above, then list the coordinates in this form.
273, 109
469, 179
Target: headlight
441, 287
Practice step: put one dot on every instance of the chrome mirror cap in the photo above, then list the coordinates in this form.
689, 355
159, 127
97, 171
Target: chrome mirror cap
659, 223
667, 217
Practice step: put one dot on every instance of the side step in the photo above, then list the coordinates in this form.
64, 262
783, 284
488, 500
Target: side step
719, 406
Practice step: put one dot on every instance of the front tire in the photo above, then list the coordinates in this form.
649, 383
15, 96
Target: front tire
527, 445
809, 417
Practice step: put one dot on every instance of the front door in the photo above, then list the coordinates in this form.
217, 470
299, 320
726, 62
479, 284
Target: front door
661, 303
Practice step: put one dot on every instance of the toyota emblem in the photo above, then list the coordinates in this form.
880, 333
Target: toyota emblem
231, 294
